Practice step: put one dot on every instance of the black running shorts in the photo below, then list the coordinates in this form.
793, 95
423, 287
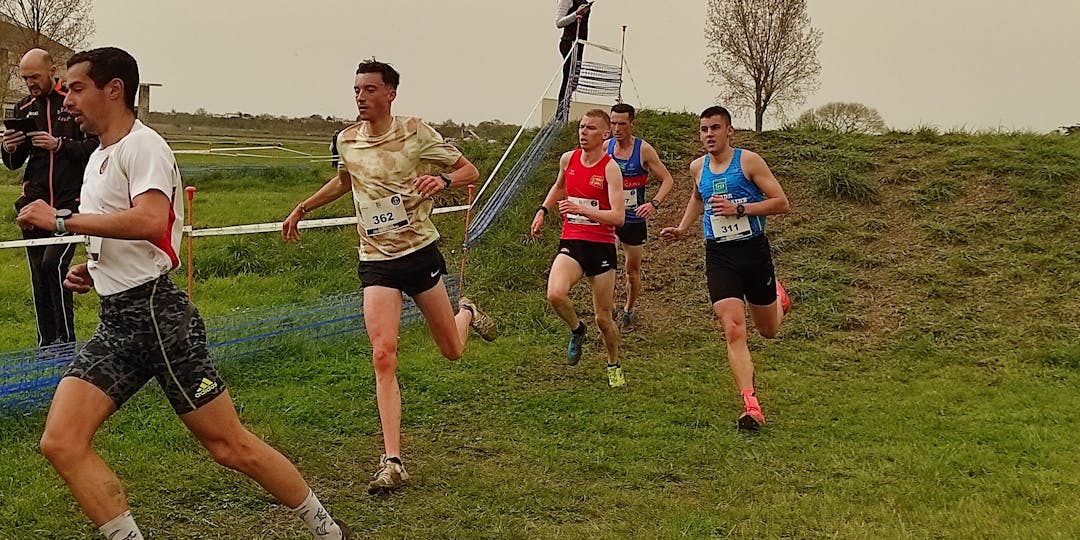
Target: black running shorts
411, 274
150, 331
594, 258
633, 234
740, 269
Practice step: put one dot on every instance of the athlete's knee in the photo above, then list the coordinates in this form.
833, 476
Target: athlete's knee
384, 359
734, 330
239, 452
557, 296
604, 322
61, 449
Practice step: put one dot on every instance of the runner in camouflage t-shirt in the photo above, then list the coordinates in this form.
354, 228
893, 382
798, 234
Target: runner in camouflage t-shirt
380, 165
383, 168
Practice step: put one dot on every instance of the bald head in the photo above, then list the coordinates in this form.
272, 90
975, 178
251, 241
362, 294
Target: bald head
36, 58
37, 70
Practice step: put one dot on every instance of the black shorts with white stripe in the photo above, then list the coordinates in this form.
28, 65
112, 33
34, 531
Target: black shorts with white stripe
150, 331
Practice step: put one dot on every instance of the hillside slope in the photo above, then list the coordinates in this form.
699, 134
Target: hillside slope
948, 242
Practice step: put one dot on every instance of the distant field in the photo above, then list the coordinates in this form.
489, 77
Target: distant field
923, 386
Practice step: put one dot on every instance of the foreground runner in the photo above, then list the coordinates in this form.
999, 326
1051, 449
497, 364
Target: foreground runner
741, 191
588, 193
399, 253
636, 159
132, 210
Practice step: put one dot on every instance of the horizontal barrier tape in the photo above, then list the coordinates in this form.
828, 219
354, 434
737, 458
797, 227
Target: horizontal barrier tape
219, 231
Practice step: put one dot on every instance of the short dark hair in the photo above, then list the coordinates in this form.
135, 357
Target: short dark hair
716, 110
600, 114
390, 76
623, 108
108, 63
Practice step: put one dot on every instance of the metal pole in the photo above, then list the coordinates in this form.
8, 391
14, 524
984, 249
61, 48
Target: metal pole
622, 62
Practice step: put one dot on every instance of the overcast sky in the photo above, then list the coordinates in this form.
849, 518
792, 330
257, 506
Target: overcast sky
973, 64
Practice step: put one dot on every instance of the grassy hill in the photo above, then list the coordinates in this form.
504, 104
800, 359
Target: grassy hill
923, 386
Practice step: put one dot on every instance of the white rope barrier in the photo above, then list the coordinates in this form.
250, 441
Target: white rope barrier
223, 154
75, 239
633, 83
601, 47
218, 231
227, 149
521, 130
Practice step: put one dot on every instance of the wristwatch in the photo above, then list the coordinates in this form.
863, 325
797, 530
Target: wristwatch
655, 204
740, 210
61, 215
446, 178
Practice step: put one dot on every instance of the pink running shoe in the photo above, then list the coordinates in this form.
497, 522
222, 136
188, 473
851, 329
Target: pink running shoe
785, 300
752, 418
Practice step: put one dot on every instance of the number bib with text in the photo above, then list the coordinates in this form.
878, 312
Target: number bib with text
383, 215
579, 219
630, 198
725, 228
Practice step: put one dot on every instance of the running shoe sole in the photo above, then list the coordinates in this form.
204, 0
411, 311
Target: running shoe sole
749, 423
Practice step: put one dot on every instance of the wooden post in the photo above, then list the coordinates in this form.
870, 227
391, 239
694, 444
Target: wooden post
190, 190
465, 242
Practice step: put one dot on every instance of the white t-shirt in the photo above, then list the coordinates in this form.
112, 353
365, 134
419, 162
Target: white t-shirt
114, 176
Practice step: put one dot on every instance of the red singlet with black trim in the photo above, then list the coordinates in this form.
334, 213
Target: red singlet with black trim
587, 186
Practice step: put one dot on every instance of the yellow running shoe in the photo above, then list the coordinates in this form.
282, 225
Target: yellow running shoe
615, 377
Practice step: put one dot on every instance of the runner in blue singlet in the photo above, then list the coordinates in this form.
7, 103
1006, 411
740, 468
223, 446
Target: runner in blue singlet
637, 159
740, 191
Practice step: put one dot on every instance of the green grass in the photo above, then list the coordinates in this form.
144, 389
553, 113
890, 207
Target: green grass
923, 387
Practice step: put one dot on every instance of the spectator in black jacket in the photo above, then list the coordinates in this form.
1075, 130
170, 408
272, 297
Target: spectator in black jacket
569, 15
55, 156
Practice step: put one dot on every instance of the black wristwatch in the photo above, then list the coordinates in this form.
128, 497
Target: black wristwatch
740, 210
61, 215
446, 178
655, 204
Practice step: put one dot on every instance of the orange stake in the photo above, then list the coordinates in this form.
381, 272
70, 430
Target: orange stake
190, 240
464, 242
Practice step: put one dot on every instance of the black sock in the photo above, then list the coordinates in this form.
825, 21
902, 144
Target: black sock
616, 364
580, 328
395, 459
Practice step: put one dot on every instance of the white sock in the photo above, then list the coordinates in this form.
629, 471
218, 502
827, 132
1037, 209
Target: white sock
317, 519
121, 527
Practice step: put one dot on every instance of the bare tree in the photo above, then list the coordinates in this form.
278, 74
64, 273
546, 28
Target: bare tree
46, 23
843, 118
763, 53
6, 76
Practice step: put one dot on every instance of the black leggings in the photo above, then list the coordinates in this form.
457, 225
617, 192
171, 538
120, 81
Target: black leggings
565, 45
52, 302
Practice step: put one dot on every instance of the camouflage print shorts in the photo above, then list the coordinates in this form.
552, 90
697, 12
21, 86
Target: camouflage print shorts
150, 331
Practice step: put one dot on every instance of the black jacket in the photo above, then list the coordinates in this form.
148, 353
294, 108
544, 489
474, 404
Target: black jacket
54, 177
570, 33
